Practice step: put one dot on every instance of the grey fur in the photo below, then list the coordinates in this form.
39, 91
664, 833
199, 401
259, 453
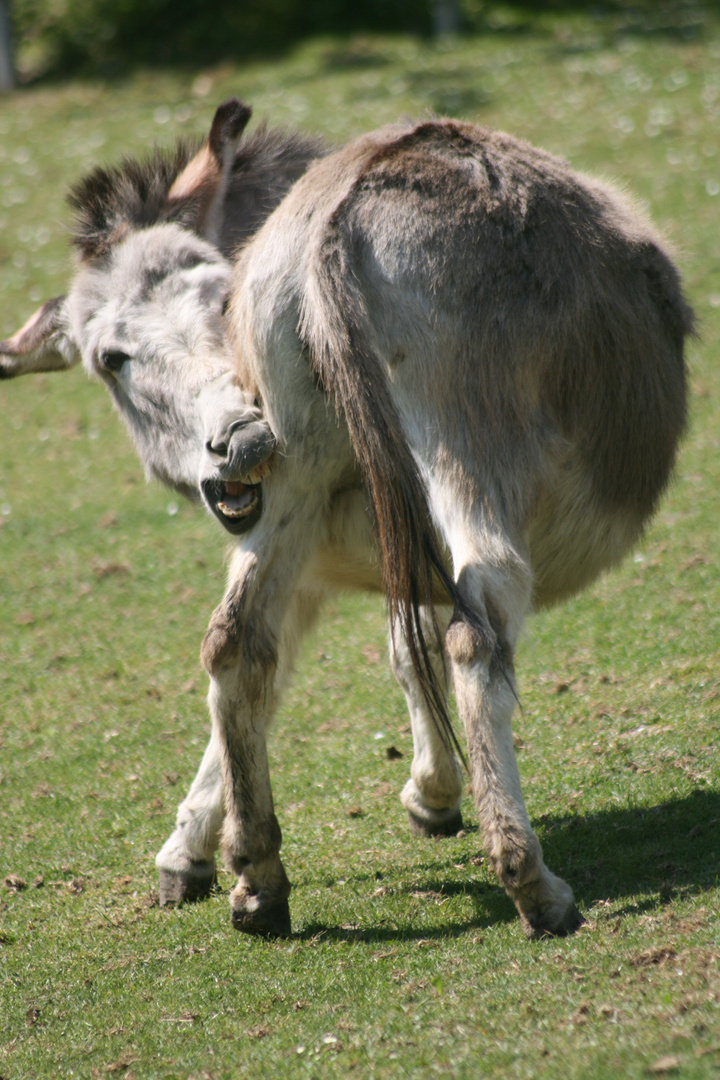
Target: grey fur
501, 344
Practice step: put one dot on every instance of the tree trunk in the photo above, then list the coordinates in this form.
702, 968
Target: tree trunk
7, 75
445, 15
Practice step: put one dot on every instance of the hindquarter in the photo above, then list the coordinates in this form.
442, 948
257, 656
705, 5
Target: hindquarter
530, 326
526, 323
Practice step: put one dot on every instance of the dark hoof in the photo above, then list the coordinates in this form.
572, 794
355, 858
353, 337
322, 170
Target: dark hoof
181, 888
447, 823
535, 928
270, 922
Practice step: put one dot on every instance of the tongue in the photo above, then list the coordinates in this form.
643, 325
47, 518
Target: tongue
237, 495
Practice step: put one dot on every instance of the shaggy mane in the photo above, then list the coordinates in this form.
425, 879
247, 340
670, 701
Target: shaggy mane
134, 194
131, 194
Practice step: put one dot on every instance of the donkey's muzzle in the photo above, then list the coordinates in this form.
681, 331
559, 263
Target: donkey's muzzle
239, 448
237, 458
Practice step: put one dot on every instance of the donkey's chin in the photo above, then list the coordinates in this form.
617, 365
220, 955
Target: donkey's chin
236, 504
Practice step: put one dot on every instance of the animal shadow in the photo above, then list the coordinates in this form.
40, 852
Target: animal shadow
661, 852
644, 856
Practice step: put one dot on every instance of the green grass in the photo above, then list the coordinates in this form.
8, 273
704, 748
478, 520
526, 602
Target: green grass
407, 959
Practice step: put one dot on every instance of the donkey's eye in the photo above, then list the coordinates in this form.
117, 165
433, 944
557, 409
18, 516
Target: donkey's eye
226, 304
113, 360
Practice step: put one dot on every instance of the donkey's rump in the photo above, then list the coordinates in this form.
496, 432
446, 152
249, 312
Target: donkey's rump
527, 321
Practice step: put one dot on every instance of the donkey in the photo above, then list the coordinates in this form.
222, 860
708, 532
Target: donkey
451, 368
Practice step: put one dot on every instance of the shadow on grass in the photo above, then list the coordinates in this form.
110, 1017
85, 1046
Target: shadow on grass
378, 934
645, 856
669, 850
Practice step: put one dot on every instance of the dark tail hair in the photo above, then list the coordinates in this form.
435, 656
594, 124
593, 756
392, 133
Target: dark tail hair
332, 327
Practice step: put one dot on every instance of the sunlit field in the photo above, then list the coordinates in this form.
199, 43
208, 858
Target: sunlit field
406, 957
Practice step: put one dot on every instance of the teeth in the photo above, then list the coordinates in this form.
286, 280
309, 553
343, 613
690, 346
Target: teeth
238, 511
242, 496
257, 474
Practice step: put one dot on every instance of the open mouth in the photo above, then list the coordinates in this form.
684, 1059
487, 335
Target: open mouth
239, 499
238, 458
237, 504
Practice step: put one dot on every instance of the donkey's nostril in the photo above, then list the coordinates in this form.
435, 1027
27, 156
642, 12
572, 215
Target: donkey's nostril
217, 449
236, 448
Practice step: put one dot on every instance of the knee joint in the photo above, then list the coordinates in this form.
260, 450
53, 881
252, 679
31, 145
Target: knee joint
220, 644
464, 643
235, 636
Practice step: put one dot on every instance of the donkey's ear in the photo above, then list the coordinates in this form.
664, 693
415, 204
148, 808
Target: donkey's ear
42, 344
203, 183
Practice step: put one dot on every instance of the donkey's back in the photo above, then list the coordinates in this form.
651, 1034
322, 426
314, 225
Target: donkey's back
526, 321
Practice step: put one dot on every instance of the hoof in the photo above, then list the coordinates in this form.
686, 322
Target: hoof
441, 823
537, 926
187, 885
272, 921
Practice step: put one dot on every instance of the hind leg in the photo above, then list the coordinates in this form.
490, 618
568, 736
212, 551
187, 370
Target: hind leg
494, 582
432, 794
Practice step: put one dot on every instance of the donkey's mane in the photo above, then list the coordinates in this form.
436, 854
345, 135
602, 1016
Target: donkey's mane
130, 194
134, 193
267, 148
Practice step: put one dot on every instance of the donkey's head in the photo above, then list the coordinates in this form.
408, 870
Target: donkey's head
144, 314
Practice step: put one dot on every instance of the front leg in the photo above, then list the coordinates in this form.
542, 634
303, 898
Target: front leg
240, 653
251, 835
234, 772
248, 652
186, 861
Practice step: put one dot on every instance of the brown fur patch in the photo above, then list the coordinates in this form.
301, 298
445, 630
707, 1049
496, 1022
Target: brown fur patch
238, 637
221, 642
203, 169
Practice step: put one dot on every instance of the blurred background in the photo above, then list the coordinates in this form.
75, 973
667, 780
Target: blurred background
630, 88
106, 37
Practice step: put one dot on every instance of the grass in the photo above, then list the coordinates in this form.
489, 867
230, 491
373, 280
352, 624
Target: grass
406, 958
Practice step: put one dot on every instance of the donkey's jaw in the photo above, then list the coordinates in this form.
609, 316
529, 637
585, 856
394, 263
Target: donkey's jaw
178, 479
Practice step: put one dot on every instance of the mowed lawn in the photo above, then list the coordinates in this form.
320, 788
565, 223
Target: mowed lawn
406, 958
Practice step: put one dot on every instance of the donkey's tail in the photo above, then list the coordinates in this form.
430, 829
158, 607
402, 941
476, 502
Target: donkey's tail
333, 326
